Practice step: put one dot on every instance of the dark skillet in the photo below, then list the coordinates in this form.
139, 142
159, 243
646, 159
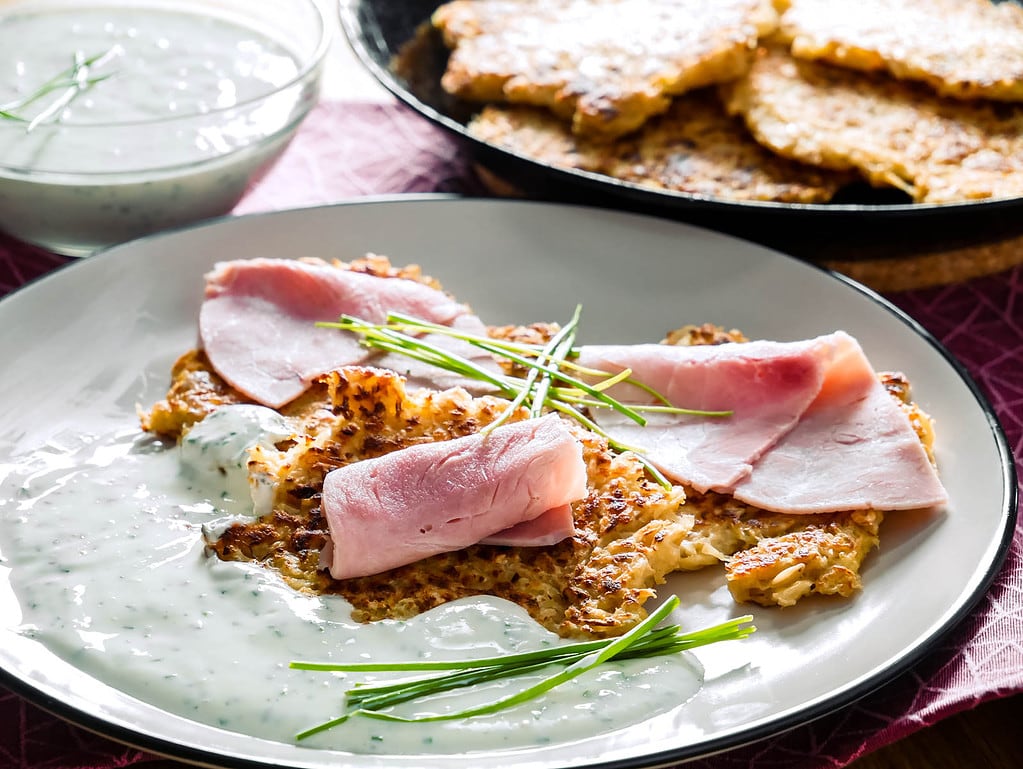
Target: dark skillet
862, 222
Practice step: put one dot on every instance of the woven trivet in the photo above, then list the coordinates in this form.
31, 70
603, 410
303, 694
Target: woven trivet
954, 265
897, 266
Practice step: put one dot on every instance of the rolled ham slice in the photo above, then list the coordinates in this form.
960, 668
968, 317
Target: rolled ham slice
257, 323
853, 449
437, 497
548, 528
766, 385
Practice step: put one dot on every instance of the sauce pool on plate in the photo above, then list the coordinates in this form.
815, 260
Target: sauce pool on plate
103, 539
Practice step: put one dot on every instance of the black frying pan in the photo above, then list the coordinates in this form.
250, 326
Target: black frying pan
862, 222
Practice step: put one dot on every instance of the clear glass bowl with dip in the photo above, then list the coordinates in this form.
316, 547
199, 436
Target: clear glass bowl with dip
180, 106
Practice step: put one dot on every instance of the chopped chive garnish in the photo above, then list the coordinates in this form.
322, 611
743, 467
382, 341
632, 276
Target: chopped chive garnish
72, 82
644, 640
552, 380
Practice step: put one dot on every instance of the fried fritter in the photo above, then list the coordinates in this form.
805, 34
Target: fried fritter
961, 48
628, 528
630, 532
820, 556
604, 65
694, 147
537, 134
895, 133
775, 559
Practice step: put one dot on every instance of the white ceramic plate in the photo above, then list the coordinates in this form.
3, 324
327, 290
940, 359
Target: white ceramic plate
82, 346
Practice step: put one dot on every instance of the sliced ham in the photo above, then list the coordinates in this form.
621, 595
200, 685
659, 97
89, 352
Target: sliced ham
257, 323
812, 429
766, 385
437, 497
853, 449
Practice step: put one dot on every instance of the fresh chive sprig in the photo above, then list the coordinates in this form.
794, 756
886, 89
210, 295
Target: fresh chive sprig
644, 640
72, 82
537, 381
548, 382
546, 363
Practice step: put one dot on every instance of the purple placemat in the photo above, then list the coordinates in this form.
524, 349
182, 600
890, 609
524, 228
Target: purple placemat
349, 150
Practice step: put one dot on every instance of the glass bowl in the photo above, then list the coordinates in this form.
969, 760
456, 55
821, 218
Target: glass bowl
187, 103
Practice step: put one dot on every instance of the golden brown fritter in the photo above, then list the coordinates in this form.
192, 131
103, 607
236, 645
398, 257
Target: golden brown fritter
964, 49
630, 532
628, 529
896, 134
694, 148
537, 134
821, 556
774, 559
604, 65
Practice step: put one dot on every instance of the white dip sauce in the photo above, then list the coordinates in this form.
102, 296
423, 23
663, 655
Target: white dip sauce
149, 147
104, 546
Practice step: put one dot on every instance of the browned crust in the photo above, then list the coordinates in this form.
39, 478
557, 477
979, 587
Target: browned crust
962, 49
606, 66
694, 148
894, 133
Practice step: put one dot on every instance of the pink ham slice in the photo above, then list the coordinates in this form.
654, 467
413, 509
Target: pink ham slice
257, 323
853, 449
767, 386
437, 497
813, 430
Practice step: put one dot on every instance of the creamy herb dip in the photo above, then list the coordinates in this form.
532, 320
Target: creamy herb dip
104, 546
173, 134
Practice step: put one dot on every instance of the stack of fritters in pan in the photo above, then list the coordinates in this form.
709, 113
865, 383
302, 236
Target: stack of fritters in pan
749, 99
